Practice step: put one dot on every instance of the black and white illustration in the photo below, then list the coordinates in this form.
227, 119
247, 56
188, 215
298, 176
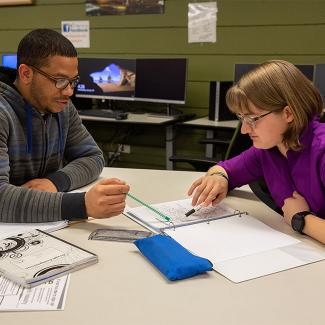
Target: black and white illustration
36, 256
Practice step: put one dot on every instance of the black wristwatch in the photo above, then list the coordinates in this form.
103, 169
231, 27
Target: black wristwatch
298, 221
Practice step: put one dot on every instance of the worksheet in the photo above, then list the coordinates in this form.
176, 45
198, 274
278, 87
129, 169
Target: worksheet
50, 295
155, 215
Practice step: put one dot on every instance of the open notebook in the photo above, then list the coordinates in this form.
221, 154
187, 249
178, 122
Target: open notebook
239, 246
176, 211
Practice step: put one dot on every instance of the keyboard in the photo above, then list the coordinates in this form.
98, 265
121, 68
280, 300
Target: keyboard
117, 115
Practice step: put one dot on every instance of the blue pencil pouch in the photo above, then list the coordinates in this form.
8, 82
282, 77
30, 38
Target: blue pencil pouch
171, 258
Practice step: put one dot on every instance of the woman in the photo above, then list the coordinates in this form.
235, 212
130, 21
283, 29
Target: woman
279, 109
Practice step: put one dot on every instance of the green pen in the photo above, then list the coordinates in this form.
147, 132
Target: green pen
166, 218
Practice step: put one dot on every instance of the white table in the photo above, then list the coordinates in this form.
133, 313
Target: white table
124, 288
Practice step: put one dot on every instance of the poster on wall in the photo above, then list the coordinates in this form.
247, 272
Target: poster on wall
124, 7
15, 2
77, 31
202, 22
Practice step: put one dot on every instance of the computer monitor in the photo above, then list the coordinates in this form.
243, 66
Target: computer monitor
107, 78
242, 68
218, 109
161, 80
9, 60
319, 79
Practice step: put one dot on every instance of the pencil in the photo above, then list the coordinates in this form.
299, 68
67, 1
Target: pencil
162, 215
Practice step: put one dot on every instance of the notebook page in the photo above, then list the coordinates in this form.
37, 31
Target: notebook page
230, 238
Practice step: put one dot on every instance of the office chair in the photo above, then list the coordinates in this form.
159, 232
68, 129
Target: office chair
261, 190
234, 146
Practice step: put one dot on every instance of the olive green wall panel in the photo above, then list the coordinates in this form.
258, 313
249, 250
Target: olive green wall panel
247, 32
231, 13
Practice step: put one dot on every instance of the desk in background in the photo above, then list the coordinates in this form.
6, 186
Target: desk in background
147, 119
211, 127
219, 135
125, 289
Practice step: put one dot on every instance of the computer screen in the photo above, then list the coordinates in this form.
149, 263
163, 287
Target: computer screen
319, 80
242, 68
9, 60
161, 80
107, 78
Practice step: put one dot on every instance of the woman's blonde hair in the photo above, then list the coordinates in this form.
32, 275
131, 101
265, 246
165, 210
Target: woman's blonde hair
272, 86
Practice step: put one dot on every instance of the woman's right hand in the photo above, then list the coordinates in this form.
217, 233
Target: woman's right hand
211, 188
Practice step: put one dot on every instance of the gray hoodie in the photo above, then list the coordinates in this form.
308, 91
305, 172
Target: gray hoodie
55, 146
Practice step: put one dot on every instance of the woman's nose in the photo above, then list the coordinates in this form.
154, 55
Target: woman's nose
245, 127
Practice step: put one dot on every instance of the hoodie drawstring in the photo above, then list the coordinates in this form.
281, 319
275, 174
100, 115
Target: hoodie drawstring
61, 140
29, 130
29, 118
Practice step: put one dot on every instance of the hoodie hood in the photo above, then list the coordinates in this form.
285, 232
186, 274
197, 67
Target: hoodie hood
24, 110
7, 75
8, 90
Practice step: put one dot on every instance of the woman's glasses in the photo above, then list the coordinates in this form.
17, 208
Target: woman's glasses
251, 120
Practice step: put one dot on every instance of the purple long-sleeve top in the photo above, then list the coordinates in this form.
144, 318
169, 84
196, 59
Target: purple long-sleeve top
302, 171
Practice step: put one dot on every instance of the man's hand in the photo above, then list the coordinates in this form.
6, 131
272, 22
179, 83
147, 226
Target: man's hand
106, 198
292, 205
41, 184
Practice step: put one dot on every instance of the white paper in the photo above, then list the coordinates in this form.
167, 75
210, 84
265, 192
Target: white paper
9, 229
202, 22
230, 238
47, 296
268, 262
77, 31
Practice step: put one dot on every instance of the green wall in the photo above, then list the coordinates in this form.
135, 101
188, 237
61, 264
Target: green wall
247, 32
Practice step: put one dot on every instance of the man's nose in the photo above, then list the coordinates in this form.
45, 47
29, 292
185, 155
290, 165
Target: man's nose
68, 90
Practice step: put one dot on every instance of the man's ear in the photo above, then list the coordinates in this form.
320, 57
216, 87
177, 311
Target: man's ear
25, 74
288, 114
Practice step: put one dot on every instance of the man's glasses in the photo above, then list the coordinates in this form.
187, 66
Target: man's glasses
60, 83
251, 120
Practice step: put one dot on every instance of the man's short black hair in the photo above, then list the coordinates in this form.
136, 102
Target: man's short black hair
40, 44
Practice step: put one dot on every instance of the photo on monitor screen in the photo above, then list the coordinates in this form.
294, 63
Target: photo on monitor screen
107, 78
9, 61
161, 80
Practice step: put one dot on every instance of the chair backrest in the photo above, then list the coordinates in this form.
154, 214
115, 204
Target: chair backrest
238, 143
261, 190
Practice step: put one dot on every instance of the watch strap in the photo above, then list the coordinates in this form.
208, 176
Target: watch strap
298, 221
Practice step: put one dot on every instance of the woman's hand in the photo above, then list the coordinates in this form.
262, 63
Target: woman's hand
211, 188
292, 205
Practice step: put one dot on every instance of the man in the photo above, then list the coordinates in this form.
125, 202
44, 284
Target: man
45, 150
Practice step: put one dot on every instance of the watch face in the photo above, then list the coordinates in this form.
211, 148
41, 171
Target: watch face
298, 222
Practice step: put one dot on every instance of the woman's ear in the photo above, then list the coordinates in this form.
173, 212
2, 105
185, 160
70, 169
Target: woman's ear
288, 114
